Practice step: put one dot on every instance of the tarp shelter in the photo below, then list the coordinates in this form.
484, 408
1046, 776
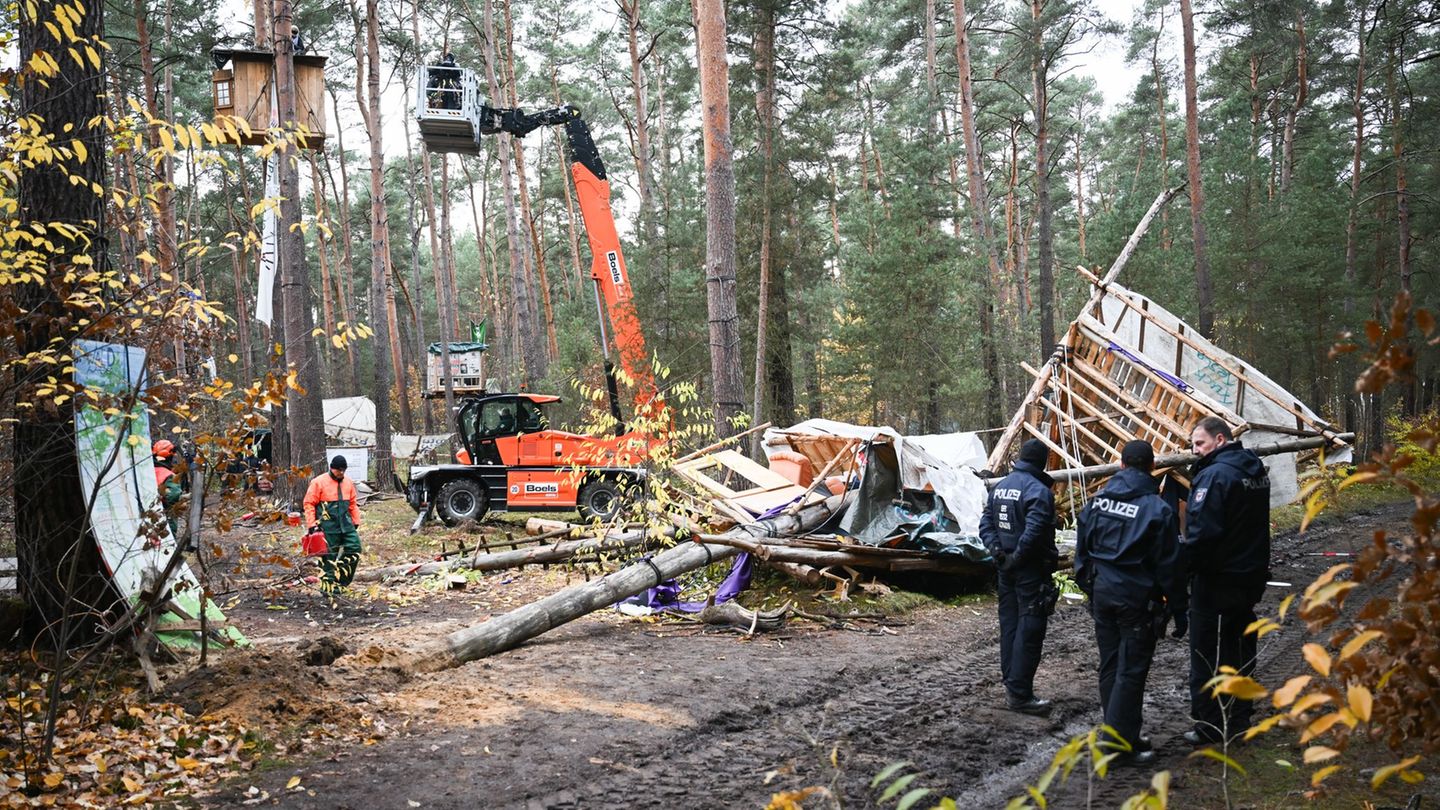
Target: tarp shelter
915, 470
1127, 368
350, 422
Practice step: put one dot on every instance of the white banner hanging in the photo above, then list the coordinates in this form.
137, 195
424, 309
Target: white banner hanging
269, 238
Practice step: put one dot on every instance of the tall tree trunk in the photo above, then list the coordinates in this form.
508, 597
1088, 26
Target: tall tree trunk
1163, 114
322, 254
445, 295
1397, 148
729, 386
573, 236
1292, 116
345, 293
1204, 297
491, 296
60, 575
261, 10
649, 224
536, 252
417, 310
381, 294
1357, 107
1045, 244
305, 420
242, 316
1080, 176
765, 110
532, 341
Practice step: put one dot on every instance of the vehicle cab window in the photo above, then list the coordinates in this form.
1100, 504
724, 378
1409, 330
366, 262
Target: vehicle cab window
532, 419
497, 418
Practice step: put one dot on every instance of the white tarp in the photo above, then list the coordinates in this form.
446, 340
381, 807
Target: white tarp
1202, 366
943, 463
350, 421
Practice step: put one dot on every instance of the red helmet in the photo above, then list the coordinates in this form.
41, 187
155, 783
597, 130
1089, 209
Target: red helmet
163, 449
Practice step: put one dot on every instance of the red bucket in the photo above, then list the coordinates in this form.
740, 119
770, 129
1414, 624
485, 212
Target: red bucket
292, 519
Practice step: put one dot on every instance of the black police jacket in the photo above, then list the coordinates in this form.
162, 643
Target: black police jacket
1019, 518
1227, 520
1127, 545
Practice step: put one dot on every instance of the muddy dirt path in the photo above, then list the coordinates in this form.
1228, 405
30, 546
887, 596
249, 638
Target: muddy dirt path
610, 712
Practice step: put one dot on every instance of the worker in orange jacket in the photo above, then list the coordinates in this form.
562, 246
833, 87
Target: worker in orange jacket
168, 487
332, 505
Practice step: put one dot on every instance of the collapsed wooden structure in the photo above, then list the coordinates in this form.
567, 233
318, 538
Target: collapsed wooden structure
1129, 369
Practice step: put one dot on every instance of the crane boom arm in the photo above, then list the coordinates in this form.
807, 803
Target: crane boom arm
607, 263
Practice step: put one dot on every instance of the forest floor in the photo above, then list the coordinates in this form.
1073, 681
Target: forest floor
617, 712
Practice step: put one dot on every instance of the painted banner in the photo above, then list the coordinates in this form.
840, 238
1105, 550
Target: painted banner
117, 471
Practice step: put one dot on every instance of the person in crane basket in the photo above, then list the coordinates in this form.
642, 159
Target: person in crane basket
444, 84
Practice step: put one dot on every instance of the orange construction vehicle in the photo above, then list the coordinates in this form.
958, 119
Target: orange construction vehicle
512, 458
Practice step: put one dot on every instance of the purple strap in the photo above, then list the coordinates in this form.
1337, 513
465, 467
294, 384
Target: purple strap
1162, 374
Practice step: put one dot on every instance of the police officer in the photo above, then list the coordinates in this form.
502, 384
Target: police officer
1127, 559
1227, 544
1018, 528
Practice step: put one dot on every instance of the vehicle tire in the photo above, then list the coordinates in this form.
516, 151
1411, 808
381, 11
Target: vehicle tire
460, 500
600, 498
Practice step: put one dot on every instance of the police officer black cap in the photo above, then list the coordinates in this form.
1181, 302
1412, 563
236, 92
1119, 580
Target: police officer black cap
1035, 452
1138, 454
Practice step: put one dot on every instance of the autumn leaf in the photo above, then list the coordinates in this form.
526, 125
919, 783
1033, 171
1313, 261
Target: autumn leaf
1308, 702
1383, 774
293, 783
1241, 687
1361, 701
1263, 726
1319, 753
1353, 645
1286, 694
1323, 774
1318, 658
54, 779
1221, 758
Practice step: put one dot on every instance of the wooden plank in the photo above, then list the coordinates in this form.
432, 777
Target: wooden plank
1052, 445
1128, 409
1101, 334
1072, 422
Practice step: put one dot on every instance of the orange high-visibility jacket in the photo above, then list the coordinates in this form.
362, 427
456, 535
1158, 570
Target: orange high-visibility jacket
325, 489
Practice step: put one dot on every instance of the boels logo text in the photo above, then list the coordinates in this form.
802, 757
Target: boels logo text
542, 489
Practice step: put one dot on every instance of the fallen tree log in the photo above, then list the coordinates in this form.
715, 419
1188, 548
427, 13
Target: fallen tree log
559, 552
805, 574
524, 623
1171, 460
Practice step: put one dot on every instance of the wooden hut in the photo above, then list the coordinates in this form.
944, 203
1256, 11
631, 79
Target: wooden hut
243, 87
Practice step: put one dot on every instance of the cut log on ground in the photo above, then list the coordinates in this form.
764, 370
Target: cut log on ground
522, 624
560, 552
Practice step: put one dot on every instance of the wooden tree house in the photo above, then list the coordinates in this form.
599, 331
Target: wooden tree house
243, 87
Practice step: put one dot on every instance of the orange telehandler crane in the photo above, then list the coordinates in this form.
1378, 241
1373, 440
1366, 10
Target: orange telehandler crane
512, 459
